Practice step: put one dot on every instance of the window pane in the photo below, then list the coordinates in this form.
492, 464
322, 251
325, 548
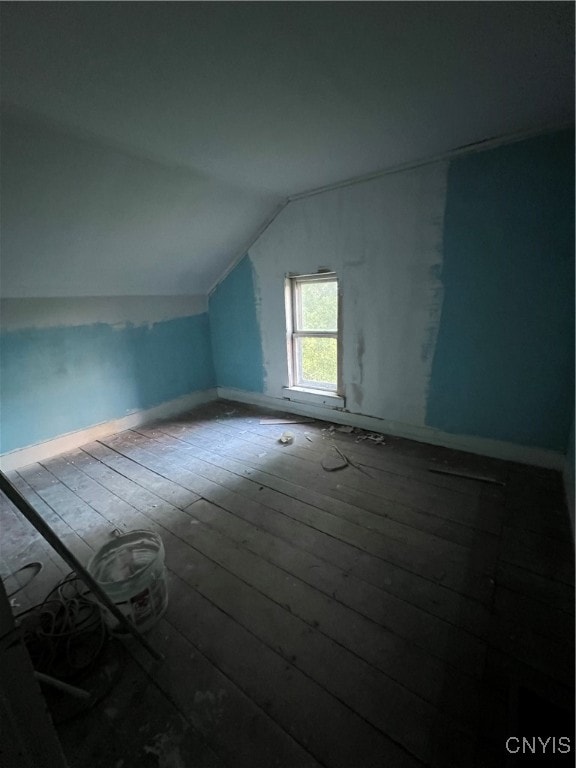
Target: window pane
318, 361
319, 306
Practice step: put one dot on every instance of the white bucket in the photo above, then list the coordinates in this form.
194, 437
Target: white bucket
130, 569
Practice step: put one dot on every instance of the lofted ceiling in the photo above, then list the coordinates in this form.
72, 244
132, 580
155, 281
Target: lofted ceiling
240, 105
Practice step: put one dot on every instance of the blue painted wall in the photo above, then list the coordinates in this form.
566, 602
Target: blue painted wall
504, 359
57, 380
236, 343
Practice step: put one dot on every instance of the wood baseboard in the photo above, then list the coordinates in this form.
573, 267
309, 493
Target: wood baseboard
30, 454
496, 449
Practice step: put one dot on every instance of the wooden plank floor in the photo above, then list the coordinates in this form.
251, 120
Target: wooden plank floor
380, 615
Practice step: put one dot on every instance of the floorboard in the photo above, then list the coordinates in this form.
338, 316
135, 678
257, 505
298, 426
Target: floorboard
407, 549
379, 615
322, 534
382, 522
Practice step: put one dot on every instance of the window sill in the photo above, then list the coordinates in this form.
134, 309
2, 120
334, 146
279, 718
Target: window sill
313, 397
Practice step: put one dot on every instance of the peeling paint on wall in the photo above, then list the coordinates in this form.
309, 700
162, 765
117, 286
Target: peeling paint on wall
16, 314
360, 350
436, 298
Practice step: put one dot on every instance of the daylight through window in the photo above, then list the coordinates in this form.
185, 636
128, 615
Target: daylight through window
313, 331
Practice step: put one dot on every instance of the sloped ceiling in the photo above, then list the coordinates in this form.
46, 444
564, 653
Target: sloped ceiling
164, 134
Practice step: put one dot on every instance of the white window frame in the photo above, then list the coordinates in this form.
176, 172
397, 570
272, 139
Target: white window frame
292, 295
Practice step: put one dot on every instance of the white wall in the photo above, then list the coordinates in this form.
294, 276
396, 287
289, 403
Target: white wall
81, 217
384, 240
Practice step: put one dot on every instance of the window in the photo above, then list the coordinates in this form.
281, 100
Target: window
312, 323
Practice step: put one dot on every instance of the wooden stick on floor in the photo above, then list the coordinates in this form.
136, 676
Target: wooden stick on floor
78, 693
466, 475
44, 530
